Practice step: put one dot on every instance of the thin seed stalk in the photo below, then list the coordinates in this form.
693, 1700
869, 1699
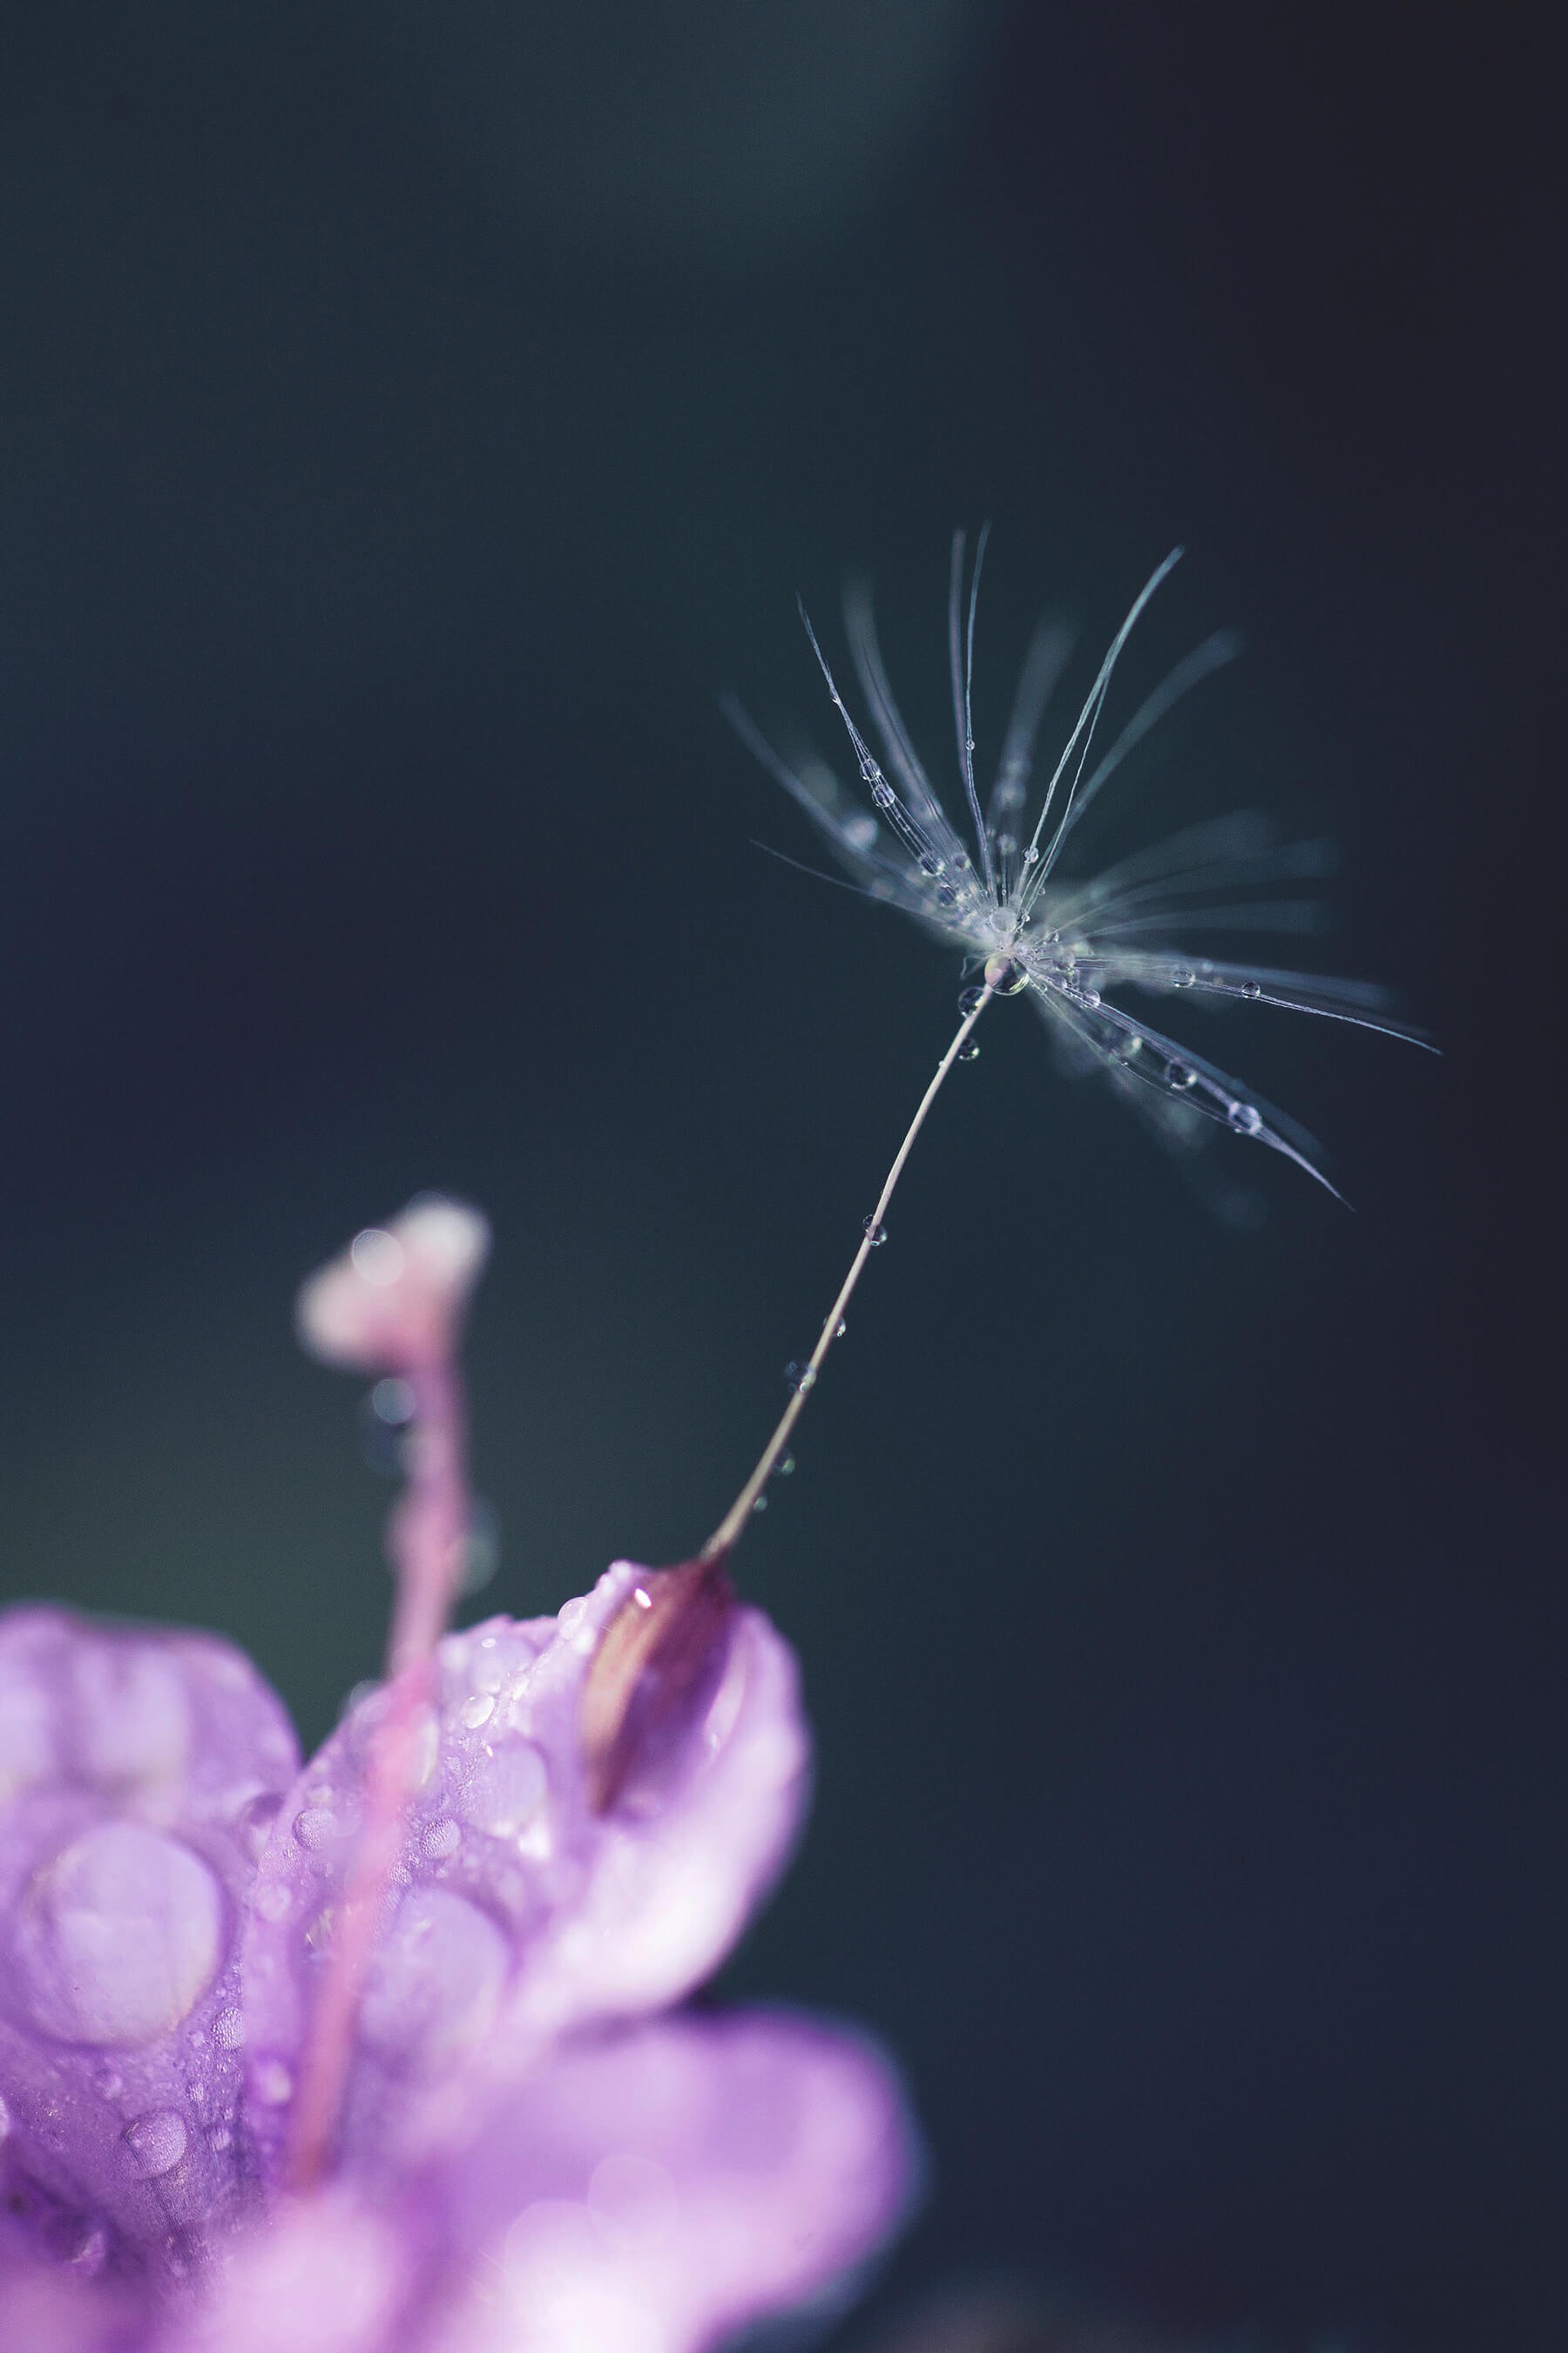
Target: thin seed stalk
727, 1533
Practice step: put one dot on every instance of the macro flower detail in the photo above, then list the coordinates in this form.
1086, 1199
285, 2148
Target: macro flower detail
1029, 929
383, 2054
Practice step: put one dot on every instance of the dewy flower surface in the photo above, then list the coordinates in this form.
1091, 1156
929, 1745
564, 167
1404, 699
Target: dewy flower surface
526, 2144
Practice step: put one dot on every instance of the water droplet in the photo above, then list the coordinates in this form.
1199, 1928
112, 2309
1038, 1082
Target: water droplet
798, 1375
882, 793
272, 2083
1252, 989
254, 1821
1031, 854
228, 2029
315, 1827
962, 862
219, 2138
108, 2081
1087, 998
1127, 1047
759, 1503
875, 1234
441, 1839
929, 863
117, 1939
843, 1327
478, 1709
969, 745
570, 1616
1180, 1077
156, 2143
4, 2119
968, 999
392, 1401
969, 1051
378, 1256
273, 1902
1245, 1119
783, 1467
1005, 976
946, 895
481, 1555
1184, 976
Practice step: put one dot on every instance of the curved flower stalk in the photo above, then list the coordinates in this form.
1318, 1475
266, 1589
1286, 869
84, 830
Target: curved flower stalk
383, 2053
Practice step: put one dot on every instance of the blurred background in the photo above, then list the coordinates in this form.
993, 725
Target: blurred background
413, 417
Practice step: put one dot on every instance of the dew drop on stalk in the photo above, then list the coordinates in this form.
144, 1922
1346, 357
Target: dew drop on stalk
1005, 976
875, 1234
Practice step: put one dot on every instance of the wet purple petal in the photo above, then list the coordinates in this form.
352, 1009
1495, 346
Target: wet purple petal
139, 1769
648, 2192
519, 1913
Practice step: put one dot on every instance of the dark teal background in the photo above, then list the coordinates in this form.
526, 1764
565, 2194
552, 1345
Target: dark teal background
411, 419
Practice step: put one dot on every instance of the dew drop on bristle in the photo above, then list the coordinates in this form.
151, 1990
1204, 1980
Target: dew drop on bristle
843, 1327
798, 1375
882, 793
1031, 854
968, 999
875, 1234
929, 863
1005, 976
1245, 1119
969, 1051
759, 1503
1179, 1077
1184, 976
1252, 989
783, 1467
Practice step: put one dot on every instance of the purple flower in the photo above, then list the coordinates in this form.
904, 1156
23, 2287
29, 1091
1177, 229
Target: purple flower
382, 2055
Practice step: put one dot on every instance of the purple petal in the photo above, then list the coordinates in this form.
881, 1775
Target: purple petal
520, 1913
649, 2192
138, 1768
658, 2190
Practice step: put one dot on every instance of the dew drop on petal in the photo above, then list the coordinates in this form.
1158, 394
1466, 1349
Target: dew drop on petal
440, 1840
155, 2143
228, 2029
570, 1616
478, 1709
118, 1937
273, 1902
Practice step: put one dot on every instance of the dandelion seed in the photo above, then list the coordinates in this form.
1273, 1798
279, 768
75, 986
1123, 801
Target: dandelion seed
1076, 948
